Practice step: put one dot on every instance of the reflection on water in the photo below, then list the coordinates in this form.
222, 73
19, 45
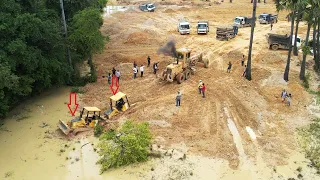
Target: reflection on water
108, 10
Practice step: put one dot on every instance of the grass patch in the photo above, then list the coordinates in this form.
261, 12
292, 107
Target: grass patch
309, 140
77, 90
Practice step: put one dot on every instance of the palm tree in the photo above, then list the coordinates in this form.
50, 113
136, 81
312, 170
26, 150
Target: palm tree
286, 71
291, 6
253, 22
295, 48
314, 47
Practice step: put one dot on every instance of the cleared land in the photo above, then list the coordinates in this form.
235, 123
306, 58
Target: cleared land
202, 124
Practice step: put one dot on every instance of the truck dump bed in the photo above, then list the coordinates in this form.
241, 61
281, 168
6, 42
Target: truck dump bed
222, 30
276, 38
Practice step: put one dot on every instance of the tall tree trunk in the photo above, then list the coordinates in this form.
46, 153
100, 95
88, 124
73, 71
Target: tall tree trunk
253, 22
286, 71
303, 63
295, 48
264, 1
318, 43
314, 47
258, 1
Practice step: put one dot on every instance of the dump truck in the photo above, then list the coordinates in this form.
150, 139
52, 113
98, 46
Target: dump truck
243, 21
277, 41
183, 27
88, 119
266, 18
183, 66
203, 27
226, 32
118, 103
147, 7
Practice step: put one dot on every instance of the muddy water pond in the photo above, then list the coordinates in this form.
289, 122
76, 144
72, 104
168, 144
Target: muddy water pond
33, 148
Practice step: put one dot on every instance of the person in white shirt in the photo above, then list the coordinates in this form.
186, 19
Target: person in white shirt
135, 70
141, 69
118, 75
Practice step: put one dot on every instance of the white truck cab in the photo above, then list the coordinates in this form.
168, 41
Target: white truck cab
147, 7
203, 27
183, 27
298, 41
239, 20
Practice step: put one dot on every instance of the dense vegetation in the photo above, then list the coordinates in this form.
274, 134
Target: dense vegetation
33, 45
127, 145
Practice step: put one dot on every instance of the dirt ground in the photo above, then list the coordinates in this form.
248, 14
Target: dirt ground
203, 124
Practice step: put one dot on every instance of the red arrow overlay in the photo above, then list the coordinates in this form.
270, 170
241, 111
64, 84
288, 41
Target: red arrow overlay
73, 102
114, 91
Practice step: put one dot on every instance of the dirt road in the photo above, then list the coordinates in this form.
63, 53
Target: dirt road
215, 126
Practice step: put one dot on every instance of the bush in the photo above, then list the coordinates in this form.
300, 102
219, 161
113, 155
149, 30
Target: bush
310, 142
98, 130
127, 145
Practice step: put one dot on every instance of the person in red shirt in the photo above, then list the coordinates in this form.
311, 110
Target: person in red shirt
203, 90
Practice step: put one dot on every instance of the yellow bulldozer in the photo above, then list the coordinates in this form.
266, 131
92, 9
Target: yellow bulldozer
118, 102
183, 66
88, 119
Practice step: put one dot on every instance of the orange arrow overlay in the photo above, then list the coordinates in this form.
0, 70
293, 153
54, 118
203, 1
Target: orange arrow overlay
73, 106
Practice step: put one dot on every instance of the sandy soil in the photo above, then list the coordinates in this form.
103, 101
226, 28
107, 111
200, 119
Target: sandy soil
202, 124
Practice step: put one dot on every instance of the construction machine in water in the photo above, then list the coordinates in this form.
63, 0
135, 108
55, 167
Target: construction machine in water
183, 66
88, 119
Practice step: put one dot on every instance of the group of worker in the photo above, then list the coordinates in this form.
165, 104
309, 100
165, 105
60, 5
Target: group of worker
201, 88
242, 64
286, 96
136, 69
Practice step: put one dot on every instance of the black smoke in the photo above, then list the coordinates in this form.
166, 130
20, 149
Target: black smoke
168, 49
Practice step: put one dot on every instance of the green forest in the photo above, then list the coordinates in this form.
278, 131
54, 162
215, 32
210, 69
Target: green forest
35, 49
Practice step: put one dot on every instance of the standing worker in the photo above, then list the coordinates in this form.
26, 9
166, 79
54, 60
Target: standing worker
135, 71
289, 99
118, 75
245, 71
271, 25
229, 67
113, 71
178, 99
283, 95
141, 69
242, 60
109, 78
149, 61
155, 68
200, 86
203, 90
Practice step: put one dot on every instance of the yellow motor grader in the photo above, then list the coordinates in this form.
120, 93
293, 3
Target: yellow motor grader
183, 66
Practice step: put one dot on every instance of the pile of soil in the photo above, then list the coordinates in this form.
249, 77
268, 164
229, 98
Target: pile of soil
143, 37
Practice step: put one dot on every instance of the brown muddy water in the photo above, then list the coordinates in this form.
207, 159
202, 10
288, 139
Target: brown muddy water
30, 151
33, 148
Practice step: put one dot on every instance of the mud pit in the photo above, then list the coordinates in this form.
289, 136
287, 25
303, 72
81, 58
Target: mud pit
202, 124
